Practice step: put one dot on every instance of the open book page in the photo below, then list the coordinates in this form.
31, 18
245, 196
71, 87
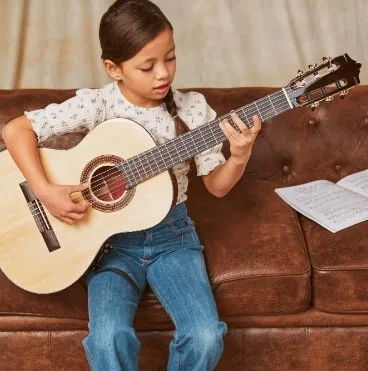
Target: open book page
357, 182
326, 203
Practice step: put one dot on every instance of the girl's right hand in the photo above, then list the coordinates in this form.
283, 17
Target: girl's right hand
57, 199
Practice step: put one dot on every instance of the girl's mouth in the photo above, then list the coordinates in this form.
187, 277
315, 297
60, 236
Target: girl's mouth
162, 89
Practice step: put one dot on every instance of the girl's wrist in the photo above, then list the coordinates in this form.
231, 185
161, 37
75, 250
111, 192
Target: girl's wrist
41, 188
239, 160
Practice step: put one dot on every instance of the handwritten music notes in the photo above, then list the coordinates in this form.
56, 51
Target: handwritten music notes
334, 206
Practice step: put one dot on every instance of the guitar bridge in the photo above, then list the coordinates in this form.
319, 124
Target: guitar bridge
40, 217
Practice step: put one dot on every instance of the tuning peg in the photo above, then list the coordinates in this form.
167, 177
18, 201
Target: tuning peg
329, 99
314, 105
329, 60
343, 93
312, 66
300, 73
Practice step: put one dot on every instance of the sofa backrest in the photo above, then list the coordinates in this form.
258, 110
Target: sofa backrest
297, 146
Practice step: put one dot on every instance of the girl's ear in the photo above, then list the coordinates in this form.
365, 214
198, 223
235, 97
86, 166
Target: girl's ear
113, 70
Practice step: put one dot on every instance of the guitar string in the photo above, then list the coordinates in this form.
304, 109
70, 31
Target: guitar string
204, 145
284, 106
119, 188
113, 170
139, 157
204, 132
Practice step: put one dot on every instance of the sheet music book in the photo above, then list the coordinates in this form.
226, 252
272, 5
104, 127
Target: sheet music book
334, 206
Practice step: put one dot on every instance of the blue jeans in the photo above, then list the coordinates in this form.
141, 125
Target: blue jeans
169, 258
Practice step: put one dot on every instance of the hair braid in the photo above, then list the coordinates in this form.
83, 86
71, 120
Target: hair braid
180, 126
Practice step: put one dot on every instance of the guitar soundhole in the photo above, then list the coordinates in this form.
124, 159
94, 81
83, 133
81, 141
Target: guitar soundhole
108, 183
107, 190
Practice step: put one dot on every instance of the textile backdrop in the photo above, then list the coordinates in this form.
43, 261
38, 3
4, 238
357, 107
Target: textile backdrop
220, 43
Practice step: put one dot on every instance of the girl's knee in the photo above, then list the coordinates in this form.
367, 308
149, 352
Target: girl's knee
209, 338
103, 339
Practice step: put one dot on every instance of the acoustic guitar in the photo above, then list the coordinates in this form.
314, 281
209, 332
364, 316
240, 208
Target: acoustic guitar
130, 186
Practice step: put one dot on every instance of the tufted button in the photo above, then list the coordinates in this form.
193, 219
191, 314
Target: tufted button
286, 169
366, 120
312, 122
338, 167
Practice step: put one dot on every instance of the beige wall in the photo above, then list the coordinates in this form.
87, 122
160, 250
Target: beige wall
54, 43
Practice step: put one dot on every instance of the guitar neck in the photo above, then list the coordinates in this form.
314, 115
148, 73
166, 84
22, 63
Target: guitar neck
163, 157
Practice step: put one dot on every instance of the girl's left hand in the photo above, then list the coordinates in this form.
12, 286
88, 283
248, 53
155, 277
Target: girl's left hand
240, 143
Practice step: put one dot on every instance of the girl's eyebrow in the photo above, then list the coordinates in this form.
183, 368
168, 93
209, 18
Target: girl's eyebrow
172, 49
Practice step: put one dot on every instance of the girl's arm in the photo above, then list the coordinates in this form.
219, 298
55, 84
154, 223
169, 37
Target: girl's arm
21, 142
224, 177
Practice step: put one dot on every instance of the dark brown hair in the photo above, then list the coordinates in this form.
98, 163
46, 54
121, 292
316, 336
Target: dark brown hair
125, 28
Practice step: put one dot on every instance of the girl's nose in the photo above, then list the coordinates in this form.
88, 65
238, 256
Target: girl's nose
162, 72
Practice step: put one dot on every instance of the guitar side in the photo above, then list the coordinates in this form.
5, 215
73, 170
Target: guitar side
24, 256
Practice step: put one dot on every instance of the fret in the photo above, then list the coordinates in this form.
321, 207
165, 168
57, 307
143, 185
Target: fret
267, 110
245, 117
202, 140
212, 132
287, 97
194, 149
137, 164
155, 160
133, 171
174, 152
248, 115
189, 150
168, 161
125, 169
207, 141
259, 111
176, 149
273, 107
162, 158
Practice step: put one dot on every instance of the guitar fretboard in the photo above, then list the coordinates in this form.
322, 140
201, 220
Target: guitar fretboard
152, 162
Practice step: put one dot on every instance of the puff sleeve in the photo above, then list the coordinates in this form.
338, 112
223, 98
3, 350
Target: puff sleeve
195, 111
83, 111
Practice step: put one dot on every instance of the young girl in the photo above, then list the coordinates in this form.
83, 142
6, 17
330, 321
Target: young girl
138, 52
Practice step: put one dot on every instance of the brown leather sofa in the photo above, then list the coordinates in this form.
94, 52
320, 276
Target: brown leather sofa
295, 296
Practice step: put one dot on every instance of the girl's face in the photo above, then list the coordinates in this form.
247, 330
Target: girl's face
146, 78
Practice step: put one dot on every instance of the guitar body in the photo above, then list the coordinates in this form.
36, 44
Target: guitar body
24, 257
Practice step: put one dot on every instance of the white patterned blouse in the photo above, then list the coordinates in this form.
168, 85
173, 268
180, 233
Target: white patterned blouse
90, 107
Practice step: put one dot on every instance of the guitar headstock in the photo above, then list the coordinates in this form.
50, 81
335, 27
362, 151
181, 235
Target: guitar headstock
324, 81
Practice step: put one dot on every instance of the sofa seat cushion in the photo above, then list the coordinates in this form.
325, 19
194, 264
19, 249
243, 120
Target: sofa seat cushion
261, 266
340, 267
21, 310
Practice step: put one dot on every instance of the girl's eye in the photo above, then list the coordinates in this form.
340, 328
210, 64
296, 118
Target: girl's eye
147, 69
